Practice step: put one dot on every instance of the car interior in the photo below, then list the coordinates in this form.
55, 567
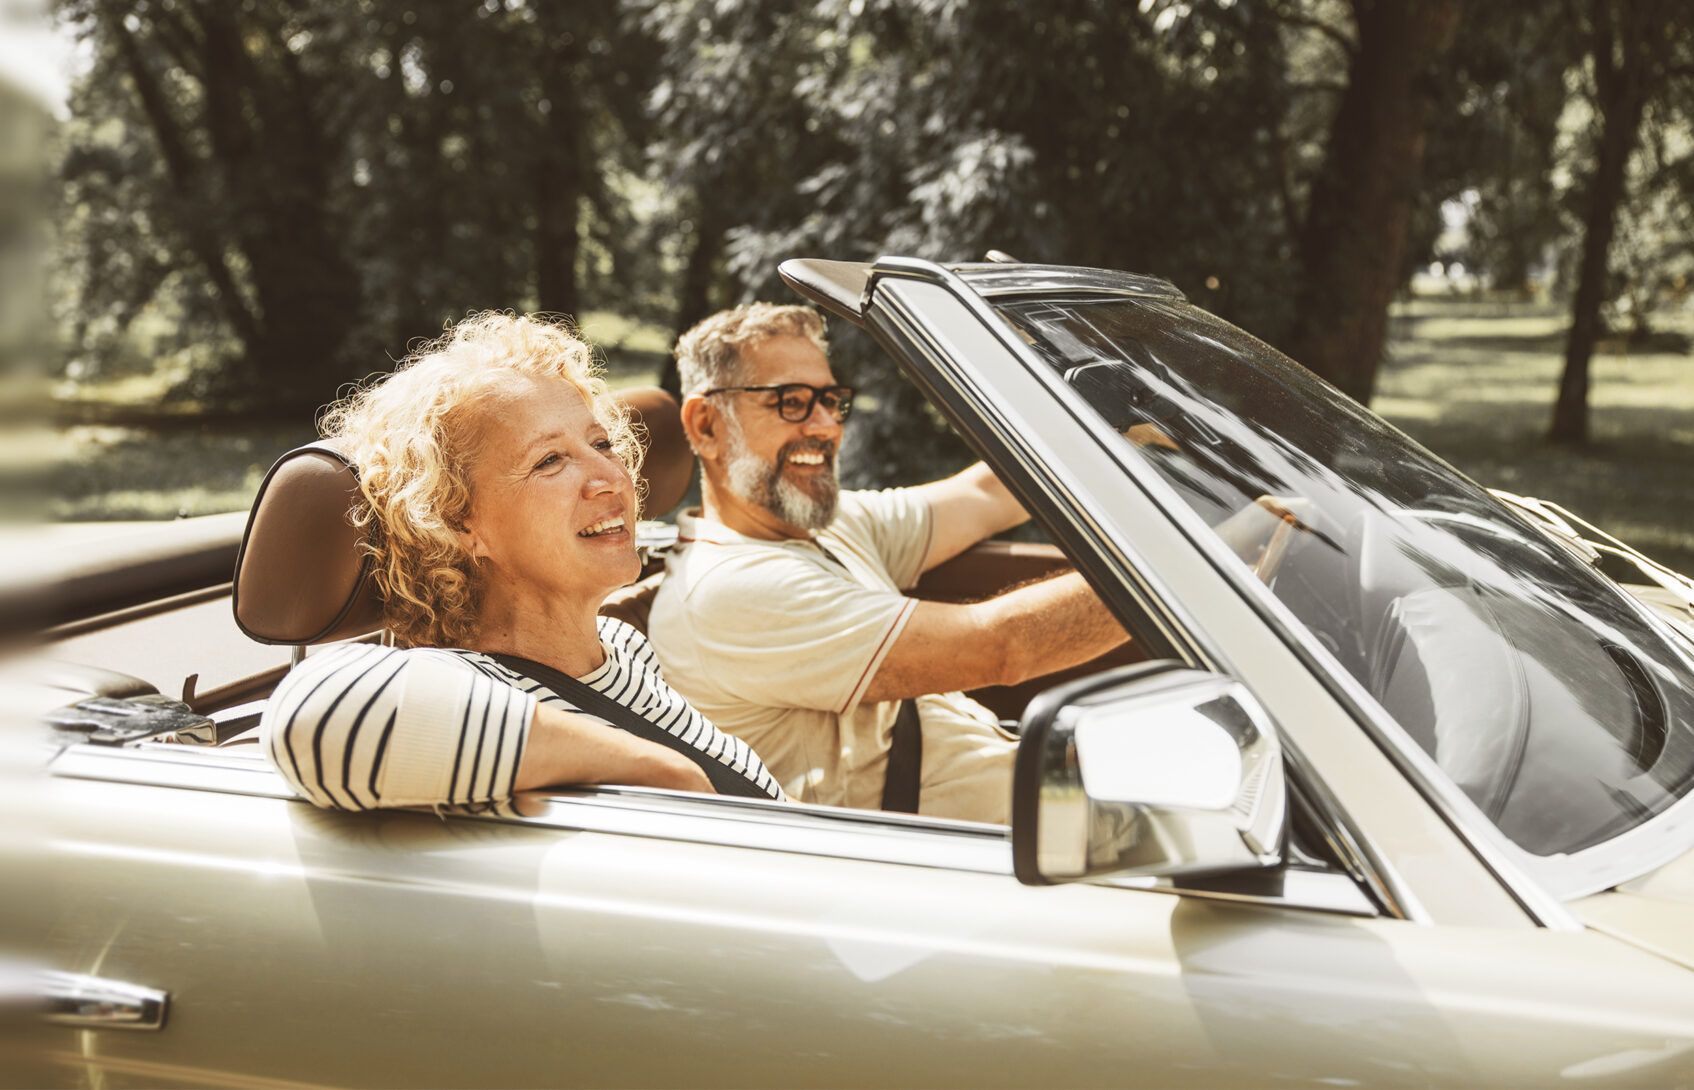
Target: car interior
300, 582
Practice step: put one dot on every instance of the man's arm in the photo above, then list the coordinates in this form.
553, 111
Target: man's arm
1023, 633
565, 748
966, 508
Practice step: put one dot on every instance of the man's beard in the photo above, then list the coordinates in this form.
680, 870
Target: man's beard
764, 483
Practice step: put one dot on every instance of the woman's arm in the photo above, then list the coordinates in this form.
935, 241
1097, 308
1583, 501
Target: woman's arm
566, 748
361, 726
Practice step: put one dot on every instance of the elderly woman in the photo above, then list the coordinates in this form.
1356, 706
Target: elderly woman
499, 511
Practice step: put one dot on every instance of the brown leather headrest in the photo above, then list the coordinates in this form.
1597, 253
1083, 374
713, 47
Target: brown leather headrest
300, 577
669, 463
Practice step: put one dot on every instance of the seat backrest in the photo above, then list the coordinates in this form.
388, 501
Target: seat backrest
301, 578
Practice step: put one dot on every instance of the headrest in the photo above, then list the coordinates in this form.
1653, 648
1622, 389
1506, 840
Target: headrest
300, 577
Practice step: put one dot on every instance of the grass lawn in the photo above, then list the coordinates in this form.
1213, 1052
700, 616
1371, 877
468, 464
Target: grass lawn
1475, 383
1472, 381
116, 472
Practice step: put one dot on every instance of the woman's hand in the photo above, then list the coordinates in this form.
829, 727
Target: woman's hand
567, 748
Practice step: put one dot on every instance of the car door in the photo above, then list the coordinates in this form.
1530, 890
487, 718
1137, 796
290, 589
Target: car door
629, 937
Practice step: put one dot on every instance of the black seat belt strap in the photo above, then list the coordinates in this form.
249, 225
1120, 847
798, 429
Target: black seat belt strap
905, 761
586, 698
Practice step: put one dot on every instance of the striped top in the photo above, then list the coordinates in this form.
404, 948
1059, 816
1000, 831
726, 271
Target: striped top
362, 726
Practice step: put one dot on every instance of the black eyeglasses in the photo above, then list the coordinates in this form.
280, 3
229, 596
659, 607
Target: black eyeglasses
794, 400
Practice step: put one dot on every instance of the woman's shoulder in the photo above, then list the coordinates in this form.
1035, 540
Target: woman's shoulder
620, 633
623, 640
367, 656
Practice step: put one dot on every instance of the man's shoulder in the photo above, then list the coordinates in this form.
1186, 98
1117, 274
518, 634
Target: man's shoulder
880, 505
740, 567
878, 522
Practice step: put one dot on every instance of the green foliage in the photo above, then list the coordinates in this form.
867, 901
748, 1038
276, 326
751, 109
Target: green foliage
310, 184
1083, 132
280, 195
25, 130
1494, 140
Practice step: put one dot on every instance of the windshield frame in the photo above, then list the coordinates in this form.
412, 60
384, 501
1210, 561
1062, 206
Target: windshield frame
1565, 877
959, 355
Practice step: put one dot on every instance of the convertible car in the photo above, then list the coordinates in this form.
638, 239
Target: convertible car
1396, 796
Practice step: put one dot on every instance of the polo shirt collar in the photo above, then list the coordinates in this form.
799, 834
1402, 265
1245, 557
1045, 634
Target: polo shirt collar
693, 525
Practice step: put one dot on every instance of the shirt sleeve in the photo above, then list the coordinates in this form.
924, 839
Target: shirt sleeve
782, 631
897, 524
362, 726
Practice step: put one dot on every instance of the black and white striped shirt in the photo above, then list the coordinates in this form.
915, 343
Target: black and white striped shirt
362, 726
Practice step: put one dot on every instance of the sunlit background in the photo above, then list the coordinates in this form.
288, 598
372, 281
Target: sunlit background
216, 214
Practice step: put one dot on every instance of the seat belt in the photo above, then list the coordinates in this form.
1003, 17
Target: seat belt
726, 780
905, 761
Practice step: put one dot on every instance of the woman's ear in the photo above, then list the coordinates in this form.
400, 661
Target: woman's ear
470, 540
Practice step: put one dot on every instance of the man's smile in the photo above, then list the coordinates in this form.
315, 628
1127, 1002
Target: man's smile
807, 453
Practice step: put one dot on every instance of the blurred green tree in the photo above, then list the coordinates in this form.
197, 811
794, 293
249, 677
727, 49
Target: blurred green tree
1353, 239
1640, 59
850, 128
1493, 141
314, 183
26, 128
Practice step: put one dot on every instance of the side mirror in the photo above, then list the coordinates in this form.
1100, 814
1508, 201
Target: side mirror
1153, 770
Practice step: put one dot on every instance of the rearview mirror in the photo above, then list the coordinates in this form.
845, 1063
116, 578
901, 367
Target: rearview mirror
1153, 769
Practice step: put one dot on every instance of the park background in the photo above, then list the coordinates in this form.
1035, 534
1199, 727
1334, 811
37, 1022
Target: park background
1477, 217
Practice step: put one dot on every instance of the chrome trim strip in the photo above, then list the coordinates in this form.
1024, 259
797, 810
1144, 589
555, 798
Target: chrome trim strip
164, 764
91, 1002
1541, 905
794, 828
1358, 849
991, 279
1317, 890
869, 836
877, 837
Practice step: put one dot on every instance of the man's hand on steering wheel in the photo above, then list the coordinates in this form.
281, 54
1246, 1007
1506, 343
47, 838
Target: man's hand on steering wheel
1261, 532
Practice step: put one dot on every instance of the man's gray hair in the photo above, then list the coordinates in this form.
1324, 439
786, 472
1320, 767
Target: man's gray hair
709, 355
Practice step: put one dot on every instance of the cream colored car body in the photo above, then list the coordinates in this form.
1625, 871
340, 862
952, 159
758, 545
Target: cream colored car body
646, 938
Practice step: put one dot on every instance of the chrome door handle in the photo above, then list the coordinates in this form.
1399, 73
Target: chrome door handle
71, 999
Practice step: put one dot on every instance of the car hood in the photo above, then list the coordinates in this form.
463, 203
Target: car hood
1654, 912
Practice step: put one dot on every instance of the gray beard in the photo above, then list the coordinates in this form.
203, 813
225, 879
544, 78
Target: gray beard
763, 484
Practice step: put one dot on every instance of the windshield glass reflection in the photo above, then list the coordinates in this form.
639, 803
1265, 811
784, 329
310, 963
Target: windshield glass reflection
1530, 679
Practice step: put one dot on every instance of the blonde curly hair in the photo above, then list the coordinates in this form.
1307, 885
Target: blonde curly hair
415, 435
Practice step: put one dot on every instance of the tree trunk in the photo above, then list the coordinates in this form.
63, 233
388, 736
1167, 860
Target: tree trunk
694, 301
560, 181
1353, 243
184, 168
303, 289
1621, 86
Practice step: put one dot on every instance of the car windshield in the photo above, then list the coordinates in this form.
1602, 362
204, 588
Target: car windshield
1533, 682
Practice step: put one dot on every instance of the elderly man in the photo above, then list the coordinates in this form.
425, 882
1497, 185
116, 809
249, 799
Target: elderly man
782, 617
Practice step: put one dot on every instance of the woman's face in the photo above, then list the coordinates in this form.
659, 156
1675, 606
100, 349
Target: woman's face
552, 508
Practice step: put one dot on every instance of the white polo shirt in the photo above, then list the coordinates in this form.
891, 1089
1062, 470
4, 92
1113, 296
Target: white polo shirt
776, 642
